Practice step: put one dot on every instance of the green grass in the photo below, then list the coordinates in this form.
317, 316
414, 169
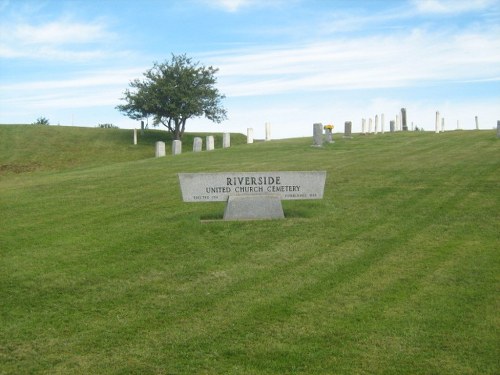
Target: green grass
104, 270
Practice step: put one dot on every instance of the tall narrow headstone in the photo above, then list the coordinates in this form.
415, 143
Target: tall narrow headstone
318, 134
159, 149
477, 123
197, 144
142, 127
348, 129
268, 131
403, 119
458, 124
226, 140
498, 129
437, 121
382, 120
442, 125
363, 126
376, 124
398, 123
176, 147
392, 126
370, 126
210, 142
249, 135
135, 136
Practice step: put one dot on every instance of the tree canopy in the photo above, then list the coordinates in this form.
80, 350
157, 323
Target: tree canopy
173, 92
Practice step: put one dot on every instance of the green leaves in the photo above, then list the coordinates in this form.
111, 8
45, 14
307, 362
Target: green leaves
173, 92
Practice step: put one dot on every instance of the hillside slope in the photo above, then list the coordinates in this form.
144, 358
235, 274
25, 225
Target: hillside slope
104, 269
28, 148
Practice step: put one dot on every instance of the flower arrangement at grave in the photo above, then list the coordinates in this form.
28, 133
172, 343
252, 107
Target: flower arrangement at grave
328, 127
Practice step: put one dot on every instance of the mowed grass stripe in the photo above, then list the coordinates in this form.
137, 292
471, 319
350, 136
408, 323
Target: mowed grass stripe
394, 271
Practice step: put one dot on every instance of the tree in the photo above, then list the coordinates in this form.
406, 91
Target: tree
173, 92
41, 121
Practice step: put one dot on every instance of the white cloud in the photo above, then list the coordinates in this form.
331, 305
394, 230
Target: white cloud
364, 62
452, 6
64, 39
237, 5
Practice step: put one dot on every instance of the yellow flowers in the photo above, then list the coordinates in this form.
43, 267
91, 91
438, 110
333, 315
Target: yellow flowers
328, 127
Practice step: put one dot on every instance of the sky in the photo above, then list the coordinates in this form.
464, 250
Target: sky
290, 63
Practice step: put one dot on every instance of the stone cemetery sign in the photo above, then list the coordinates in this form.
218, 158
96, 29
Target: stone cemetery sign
252, 195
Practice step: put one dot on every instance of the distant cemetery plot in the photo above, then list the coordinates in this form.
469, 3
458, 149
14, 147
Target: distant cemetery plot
252, 195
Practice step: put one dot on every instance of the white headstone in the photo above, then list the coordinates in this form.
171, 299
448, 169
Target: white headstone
376, 124
135, 136
197, 144
176, 147
477, 123
442, 125
382, 122
370, 125
318, 134
458, 124
268, 131
437, 121
226, 140
249, 135
363, 126
210, 142
397, 123
159, 149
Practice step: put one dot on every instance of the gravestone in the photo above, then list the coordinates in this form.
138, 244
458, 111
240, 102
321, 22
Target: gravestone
477, 123
210, 142
403, 119
348, 129
226, 140
442, 125
197, 144
249, 135
318, 134
376, 124
382, 123
176, 147
252, 195
159, 149
437, 121
135, 136
268, 131
142, 127
392, 126
498, 129
370, 122
398, 122
363, 126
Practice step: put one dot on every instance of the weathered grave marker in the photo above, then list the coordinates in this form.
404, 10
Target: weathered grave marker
498, 129
363, 126
477, 123
382, 122
348, 129
249, 135
403, 119
176, 147
268, 131
437, 121
392, 126
376, 124
197, 144
159, 149
252, 195
210, 142
318, 134
226, 140
135, 136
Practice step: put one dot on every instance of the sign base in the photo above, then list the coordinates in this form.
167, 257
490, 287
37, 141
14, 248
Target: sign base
253, 207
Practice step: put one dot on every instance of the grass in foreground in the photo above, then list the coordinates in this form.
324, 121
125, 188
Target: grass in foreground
105, 270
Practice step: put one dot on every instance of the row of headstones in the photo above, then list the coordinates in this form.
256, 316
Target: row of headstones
197, 145
318, 129
198, 142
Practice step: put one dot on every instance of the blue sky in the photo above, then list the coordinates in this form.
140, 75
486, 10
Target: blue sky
287, 62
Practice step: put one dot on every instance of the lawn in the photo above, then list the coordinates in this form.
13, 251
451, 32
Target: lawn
104, 270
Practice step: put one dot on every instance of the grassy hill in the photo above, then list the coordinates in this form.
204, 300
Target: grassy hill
105, 270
